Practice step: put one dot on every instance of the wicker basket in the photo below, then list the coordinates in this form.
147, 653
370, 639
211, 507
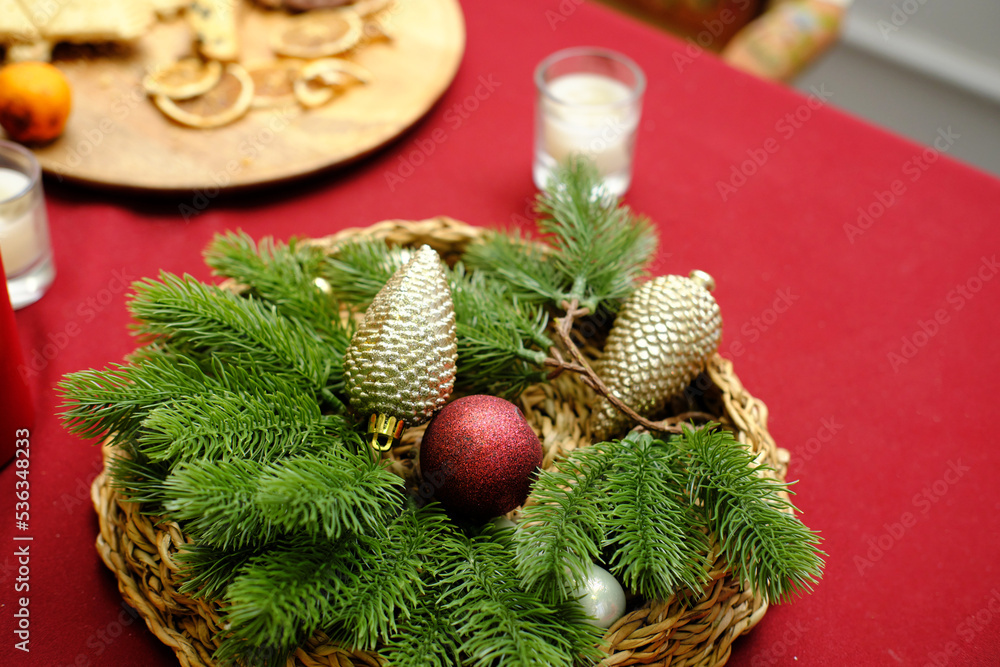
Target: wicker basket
141, 549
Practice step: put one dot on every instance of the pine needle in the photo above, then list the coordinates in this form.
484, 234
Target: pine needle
284, 275
502, 345
237, 425
357, 270
330, 496
97, 403
561, 530
658, 547
600, 246
502, 624
198, 317
206, 572
524, 266
233, 504
280, 598
388, 581
762, 539
214, 501
597, 249
426, 639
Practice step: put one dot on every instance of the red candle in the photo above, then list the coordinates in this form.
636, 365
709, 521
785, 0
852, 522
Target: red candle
17, 410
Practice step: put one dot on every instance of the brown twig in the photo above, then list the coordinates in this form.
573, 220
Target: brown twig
580, 366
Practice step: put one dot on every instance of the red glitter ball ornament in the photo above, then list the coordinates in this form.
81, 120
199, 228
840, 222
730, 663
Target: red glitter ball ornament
479, 455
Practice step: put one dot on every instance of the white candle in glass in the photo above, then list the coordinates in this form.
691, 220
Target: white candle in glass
589, 114
589, 103
20, 242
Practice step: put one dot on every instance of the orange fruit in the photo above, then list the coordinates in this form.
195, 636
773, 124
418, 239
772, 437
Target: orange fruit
35, 100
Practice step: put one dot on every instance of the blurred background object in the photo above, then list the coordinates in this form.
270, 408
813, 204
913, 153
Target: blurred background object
774, 39
920, 67
916, 67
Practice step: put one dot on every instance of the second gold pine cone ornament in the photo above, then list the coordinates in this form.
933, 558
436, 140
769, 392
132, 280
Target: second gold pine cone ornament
400, 365
661, 340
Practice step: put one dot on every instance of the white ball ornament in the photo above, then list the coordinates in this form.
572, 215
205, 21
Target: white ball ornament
601, 596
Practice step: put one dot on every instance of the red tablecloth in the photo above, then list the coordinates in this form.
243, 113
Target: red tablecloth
858, 279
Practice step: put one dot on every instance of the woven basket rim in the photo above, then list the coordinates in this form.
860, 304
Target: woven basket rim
140, 549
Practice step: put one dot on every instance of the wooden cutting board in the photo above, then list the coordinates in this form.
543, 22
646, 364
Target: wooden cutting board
117, 138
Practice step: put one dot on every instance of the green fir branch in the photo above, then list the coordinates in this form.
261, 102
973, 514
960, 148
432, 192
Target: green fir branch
562, 529
500, 623
206, 572
597, 249
600, 246
136, 478
518, 262
352, 590
426, 639
203, 318
658, 547
762, 539
283, 274
227, 424
358, 269
233, 504
502, 345
98, 403
214, 501
280, 598
389, 583
330, 496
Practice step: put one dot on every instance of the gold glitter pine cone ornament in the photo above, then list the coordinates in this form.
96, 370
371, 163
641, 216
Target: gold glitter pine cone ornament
661, 339
400, 365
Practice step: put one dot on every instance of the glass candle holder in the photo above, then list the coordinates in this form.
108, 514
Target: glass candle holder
589, 104
24, 228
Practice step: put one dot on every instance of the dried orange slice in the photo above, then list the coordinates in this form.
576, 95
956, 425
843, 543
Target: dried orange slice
319, 34
227, 101
273, 84
332, 70
183, 79
322, 79
312, 93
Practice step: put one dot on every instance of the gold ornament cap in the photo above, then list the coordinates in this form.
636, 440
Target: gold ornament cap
704, 279
384, 431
